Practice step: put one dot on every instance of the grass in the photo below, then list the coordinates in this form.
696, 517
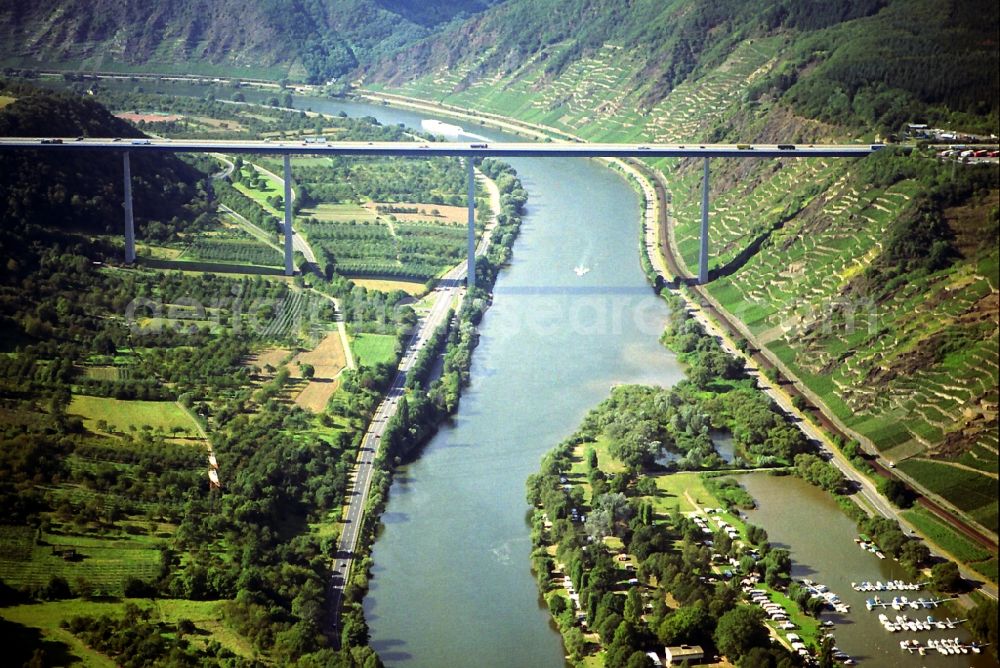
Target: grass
675, 488
987, 569
372, 349
206, 615
121, 415
412, 288
5, 100
956, 544
338, 213
270, 188
102, 562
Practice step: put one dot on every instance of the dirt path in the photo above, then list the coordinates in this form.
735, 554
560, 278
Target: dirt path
213, 464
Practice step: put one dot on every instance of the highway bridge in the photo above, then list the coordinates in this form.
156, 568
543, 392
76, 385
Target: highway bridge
417, 149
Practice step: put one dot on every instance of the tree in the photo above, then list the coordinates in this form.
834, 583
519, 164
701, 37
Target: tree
945, 577
739, 630
576, 644
633, 606
308, 371
691, 624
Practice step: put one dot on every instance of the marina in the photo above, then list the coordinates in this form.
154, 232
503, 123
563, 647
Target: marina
831, 557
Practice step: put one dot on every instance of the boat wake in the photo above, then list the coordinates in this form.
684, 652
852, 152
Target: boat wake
448, 130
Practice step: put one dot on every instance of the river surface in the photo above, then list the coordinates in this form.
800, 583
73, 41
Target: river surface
452, 584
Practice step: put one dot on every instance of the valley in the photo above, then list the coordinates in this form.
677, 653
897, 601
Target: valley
206, 461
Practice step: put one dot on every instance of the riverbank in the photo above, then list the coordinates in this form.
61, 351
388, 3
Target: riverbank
664, 268
416, 403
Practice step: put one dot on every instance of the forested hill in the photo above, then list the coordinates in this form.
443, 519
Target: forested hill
861, 63
78, 191
311, 40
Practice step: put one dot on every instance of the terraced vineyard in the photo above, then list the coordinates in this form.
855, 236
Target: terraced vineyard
789, 241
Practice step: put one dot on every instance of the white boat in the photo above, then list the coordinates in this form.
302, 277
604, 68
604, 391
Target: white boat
581, 270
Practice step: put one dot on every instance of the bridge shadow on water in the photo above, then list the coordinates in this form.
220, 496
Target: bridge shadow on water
389, 650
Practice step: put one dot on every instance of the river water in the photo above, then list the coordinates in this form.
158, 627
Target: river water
452, 584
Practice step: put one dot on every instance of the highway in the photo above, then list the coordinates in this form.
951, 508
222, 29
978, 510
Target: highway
449, 291
414, 149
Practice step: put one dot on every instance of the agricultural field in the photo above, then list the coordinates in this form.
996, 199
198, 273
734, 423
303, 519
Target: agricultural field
328, 360
234, 251
372, 349
31, 560
971, 492
956, 544
49, 617
338, 213
412, 288
128, 416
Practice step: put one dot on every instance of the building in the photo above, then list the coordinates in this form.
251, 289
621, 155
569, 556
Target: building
674, 656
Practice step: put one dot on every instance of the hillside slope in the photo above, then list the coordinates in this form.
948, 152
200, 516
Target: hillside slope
304, 40
874, 281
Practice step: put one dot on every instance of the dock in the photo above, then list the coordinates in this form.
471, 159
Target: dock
891, 585
948, 646
902, 603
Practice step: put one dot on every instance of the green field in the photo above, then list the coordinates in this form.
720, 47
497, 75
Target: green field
372, 349
971, 492
270, 188
210, 267
338, 213
958, 545
103, 563
164, 416
673, 487
48, 617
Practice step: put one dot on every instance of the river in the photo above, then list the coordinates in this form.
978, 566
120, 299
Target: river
452, 585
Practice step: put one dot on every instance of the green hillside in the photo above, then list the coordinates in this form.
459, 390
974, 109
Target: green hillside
875, 282
303, 40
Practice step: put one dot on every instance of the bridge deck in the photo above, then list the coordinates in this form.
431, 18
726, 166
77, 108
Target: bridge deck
429, 149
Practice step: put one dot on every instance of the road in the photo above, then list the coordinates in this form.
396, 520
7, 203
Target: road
449, 292
866, 488
565, 149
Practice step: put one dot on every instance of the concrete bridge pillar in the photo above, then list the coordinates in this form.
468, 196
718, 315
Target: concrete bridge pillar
129, 220
703, 256
289, 266
470, 279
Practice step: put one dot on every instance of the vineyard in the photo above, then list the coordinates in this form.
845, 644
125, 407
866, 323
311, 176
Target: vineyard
387, 248
102, 564
240, 251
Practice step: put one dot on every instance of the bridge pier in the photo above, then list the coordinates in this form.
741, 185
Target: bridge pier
470, 279
703, 255
289, 266
129, 219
